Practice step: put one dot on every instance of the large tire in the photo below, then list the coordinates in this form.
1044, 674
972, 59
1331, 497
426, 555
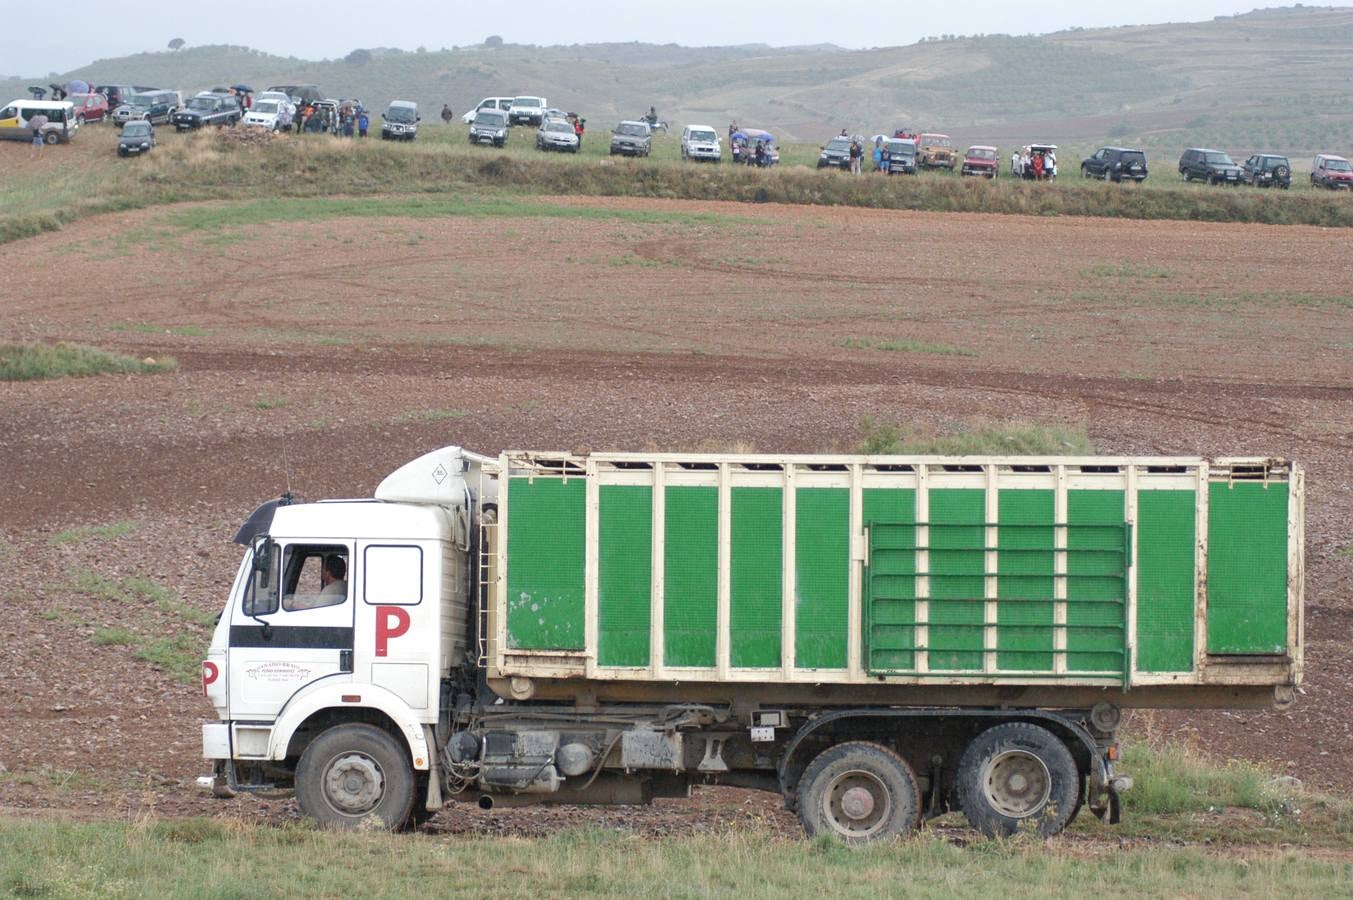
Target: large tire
859, 792
1017, 773
52, 137
353, 774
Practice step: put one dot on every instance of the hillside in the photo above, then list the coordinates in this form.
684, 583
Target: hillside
1280, 78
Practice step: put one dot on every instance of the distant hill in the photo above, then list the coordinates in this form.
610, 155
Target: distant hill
1278, 78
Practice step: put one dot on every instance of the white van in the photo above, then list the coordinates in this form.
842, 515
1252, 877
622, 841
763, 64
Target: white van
503, 103
61, 121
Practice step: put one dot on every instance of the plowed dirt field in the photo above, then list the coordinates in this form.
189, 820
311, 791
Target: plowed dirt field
321, 345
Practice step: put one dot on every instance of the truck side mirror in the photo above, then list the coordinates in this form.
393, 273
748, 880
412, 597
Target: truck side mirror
263, 559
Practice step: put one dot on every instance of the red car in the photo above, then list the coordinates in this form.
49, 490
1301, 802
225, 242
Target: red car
89, 107
1330, 171
981, 160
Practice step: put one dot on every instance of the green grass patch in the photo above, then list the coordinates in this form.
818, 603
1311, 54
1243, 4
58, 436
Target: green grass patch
1127, 270
417, 417
906, 346
61, 779
200, 858
270, 402
31, 362
155, 620
1170, 779
92, 532
1346, 552
1014, 439
116, 636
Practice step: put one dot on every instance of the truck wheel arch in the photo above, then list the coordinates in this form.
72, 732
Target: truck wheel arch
312, 712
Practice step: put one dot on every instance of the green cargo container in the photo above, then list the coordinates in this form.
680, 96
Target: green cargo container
1097, 572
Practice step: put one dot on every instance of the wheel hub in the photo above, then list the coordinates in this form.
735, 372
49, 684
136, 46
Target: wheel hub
1016, 783
857, 804
354, 784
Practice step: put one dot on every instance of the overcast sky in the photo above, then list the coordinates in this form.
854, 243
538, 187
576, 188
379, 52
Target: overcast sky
86, 30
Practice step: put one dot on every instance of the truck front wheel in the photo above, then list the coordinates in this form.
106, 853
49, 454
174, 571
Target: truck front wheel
859, 792
352, 774
1017, 773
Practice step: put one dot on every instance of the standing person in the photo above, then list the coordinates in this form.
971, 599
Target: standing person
348, 123
1049, 164
856, 151
579, 126
363, 123
878, 154
886, 158
447, 115
1014, 164
39, 145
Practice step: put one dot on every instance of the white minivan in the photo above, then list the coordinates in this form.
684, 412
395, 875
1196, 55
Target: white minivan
61, 123
503, 103
700, 142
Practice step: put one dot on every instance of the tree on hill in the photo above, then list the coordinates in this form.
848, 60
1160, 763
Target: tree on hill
177, 44
358, 57
493, 40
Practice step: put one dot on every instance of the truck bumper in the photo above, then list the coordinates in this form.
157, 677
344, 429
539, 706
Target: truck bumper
216, 740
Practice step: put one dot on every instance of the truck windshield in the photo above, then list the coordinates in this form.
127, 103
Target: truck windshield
401, 114
1218, 159
489, 120
707, 136
136, 129
840, 144
527, 101
268, 107
142, 101
202, 104
631, 130
1338, 165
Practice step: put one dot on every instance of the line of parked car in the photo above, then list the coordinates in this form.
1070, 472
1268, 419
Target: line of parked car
492, 119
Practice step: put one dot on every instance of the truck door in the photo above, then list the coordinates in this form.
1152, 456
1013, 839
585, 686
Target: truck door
401, 597
292, 626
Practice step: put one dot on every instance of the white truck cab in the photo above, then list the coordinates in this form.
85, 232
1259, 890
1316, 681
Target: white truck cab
337, 606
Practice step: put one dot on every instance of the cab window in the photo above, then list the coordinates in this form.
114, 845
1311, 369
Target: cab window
9, 112
314, 576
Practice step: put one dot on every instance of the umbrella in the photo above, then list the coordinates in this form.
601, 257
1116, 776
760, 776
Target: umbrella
38, 92
242, 88
77, 87
37, 122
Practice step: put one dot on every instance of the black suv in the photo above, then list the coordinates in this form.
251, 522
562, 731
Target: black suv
1115, 164
1267, 170
1211, 166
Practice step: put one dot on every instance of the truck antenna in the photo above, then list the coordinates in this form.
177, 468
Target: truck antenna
286, 471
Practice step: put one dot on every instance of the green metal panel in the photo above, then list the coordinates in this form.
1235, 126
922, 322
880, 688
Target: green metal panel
1096, 591
890, 580
1247, 568
957, 585
691, 579
756, 577
1166, 544
545, 531
822, 567
624, 574
1024, 585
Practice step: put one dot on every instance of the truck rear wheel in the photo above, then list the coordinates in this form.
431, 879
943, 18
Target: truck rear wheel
859, 792
1016, 773
353, 774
